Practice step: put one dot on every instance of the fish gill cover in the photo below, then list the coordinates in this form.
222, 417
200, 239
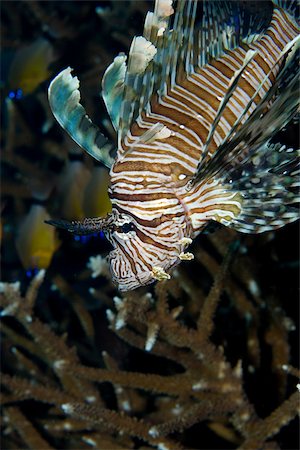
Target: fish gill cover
206, 359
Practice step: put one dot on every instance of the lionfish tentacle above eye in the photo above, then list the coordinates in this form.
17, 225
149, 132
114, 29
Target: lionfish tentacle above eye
64, 99
83, 227
196, 106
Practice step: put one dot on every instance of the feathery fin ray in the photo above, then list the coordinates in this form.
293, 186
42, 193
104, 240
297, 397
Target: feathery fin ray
113, 88
64, 99
281, 116
180, 48
268, 183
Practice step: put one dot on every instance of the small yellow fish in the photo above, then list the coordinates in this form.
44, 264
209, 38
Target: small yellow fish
30, 67
36, 242
96, 201
72, 185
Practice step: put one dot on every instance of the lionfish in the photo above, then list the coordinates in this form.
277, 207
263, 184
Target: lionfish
196, 107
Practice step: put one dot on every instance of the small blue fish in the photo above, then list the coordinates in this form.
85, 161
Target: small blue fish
196, 107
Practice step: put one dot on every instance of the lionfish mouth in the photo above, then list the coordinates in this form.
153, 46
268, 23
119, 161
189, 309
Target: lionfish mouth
86, 226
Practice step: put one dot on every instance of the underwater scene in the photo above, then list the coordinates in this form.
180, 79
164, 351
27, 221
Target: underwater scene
149, 236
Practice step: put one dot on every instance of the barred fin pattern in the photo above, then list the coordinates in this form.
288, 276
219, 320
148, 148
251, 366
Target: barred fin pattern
140, 76
269, 181
64, 99
113, 88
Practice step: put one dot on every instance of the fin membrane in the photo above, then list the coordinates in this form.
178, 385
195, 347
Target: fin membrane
265, 176
144, 65
257, 130
113, 88
268, 184
64, 99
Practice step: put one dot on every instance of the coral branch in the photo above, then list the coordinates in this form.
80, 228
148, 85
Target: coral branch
270, 426
31, 437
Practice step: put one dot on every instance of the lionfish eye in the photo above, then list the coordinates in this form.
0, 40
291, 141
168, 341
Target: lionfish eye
126, 227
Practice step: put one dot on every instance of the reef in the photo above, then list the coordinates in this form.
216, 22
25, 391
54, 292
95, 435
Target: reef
207, 359
196, 362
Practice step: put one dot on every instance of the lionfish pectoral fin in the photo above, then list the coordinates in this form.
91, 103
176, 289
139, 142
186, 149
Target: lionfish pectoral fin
64, 99
83, 227
265, 190
259, 179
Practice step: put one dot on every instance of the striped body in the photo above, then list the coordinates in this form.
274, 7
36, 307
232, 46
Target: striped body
149, 183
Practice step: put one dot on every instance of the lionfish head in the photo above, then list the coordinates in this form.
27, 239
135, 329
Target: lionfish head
142, 251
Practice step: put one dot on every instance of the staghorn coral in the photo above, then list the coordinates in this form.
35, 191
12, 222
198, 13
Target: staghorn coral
188, 380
